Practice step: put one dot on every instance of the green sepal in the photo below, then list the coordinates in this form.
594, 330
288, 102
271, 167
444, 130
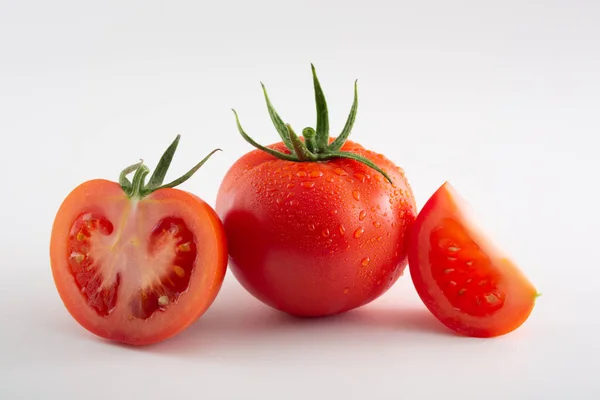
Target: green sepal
158, 176
340, 140
277, 121
322, 130
316, 145
137, 187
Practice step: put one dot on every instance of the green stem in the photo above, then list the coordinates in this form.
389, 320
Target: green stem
123, 181
309, 139
300, 149
137, 185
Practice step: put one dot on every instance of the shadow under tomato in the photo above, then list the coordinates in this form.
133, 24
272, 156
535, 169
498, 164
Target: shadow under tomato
239, 323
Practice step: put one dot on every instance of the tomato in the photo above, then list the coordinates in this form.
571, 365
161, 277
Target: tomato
462, 277
137, 263
315, 226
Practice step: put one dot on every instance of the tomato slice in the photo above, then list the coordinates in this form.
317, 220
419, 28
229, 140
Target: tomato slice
139, 268
462, 277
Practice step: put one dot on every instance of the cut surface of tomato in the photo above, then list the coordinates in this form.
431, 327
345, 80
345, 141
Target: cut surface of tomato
136, 269
462, 277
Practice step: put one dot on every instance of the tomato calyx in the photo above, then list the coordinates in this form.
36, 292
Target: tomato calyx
137, 188
316, 145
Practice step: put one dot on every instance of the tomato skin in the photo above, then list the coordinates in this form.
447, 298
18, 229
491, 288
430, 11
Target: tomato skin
107, 198
512, 295
315, 238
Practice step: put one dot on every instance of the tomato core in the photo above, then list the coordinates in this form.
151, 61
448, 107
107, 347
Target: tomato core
99, 256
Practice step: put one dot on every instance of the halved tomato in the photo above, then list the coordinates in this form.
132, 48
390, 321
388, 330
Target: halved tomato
464, 279
134, 262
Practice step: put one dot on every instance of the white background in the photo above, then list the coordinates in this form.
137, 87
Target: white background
501, 98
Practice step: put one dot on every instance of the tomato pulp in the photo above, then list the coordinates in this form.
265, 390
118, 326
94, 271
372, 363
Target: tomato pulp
314, 227
134, 268
463, 278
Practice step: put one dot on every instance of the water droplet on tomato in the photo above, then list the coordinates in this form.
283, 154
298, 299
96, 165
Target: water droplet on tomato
340, 171
342, 229
290, 185
293, 202
325, 232
360, 177
346, 290
301, 174
359, 232
311, 227
307, 184
365, 261
362, 215
376, 224
315, 173
356, 195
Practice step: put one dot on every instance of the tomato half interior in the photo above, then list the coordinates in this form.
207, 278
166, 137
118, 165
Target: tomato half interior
136, 271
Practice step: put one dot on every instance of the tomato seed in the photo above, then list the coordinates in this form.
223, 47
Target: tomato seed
185, 247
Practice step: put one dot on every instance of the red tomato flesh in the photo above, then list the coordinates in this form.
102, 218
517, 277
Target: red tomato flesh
463, 278
136, 271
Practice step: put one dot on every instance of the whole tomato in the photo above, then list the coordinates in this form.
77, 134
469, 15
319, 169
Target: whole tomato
315, 226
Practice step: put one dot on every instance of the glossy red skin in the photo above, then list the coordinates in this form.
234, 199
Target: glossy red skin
315, 239
108, 199
474, 259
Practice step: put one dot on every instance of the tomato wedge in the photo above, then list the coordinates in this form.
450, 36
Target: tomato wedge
462, 277
134, 262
